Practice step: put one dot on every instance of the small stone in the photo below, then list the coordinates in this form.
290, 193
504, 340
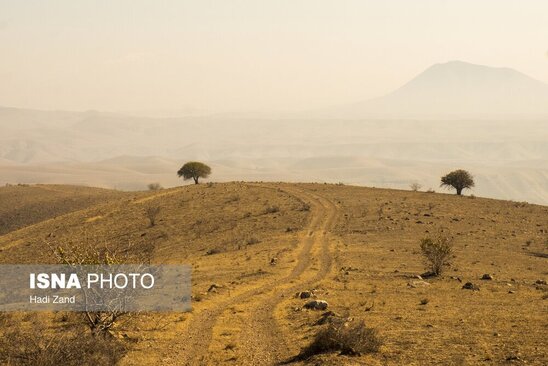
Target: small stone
327, 317
470, 286
487, 277
316, 305
415, 284
304, 294
428, 274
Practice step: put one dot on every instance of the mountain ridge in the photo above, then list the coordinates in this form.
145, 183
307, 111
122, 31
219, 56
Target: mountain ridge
456, 89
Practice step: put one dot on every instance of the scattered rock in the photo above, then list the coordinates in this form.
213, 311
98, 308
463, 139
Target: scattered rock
273, 261
540, 282
303, 294
327, 317
213, 251
428, 274
470, 286
487, 277
516, 357
511, 292
316, 305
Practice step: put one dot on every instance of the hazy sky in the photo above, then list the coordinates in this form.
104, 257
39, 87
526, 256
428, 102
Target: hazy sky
228, 55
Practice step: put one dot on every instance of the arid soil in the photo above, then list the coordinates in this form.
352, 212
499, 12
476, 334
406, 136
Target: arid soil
253, 246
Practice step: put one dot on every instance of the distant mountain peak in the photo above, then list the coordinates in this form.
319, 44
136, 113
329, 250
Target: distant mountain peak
458, 89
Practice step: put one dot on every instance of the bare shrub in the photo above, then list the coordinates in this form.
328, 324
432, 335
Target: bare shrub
305, 207
352, 338
437, 252
233, 198
252, 240
86, 251
155, 187
271, 209
37, 347
415, 187
151, 213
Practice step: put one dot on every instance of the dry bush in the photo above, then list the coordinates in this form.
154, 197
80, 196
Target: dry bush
155, 186
415, 187
437, 252
271, 209
86, 251
305, 207
151, 213
233, 198
253, 240
37, 347
352, 338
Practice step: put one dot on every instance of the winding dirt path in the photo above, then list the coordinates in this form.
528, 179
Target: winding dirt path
262, 342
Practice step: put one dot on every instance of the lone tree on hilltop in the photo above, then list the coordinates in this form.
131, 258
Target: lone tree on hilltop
458, 179
194, 170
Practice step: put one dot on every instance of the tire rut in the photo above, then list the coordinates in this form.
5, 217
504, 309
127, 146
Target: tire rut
199, 334
263, 340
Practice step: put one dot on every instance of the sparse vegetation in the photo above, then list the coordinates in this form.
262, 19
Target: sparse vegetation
72, 348
151, 212
415, 187
372, 271
86, 251
154, 187
348, 338
252, 240
271, 209
304, 207
437, 252
233, 198
194, 170
459, 179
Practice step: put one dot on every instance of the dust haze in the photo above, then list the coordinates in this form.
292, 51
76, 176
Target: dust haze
365, 93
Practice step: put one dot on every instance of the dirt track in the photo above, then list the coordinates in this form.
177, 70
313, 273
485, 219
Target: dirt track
262, 341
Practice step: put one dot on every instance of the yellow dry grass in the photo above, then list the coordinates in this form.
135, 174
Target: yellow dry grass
357, 248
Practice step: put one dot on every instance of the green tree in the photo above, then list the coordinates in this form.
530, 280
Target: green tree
194, 170
459, 179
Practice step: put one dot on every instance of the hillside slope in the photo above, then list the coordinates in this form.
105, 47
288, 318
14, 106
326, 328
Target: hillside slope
24, 205
357, 248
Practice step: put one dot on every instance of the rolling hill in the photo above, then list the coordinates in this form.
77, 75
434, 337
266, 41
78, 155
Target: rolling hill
507, 153
253, 247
